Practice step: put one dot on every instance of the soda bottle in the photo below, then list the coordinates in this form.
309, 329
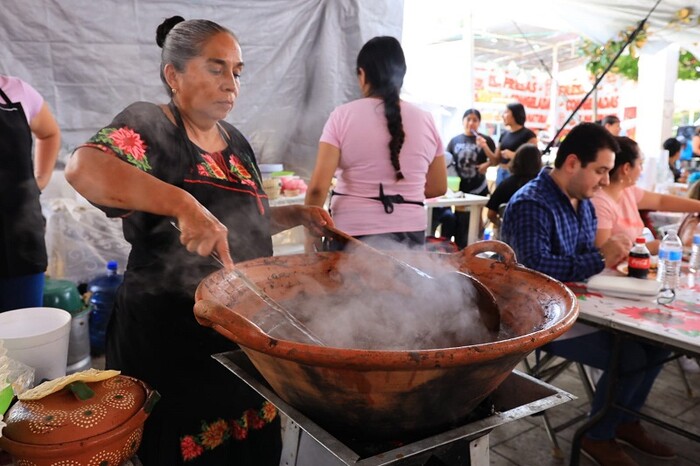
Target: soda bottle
103, 291
639, 260
670, 255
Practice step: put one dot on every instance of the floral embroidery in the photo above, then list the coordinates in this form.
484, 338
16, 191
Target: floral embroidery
126, 143
189, 448
216, 433
210, 168
237, 167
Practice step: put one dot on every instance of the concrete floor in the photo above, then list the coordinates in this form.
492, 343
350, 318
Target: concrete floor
525, 442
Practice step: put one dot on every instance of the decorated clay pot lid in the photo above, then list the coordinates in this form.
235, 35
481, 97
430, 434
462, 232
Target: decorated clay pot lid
76, 411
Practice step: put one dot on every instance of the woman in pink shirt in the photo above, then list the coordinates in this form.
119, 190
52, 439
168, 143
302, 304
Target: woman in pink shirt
617, 205
386, 154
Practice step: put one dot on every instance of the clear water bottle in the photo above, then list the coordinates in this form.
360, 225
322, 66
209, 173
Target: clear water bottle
694, 262
103, 291
669, 272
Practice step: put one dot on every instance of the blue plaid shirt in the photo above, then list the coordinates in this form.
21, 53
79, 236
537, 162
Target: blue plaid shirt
548, 235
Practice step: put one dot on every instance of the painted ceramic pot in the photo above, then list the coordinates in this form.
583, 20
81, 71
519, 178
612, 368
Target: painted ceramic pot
63, 430
385, 393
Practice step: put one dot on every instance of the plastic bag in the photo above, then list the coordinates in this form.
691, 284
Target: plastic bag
15, 378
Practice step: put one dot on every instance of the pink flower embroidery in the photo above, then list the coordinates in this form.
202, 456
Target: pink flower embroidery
129, 142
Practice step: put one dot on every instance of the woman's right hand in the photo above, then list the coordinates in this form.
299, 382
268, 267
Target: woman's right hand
203, 234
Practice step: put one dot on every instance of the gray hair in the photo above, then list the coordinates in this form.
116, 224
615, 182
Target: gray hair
181, 41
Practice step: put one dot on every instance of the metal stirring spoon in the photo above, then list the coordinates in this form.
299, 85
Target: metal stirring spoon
267, 299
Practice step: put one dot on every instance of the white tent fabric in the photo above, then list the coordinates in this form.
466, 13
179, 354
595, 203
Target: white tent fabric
91, 59
598, 20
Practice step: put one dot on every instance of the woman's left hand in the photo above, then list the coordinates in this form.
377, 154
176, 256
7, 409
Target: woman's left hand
314, 218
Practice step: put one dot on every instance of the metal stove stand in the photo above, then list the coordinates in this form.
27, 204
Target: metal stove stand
305, 443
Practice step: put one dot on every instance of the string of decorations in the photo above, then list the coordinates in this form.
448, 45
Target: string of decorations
600, 55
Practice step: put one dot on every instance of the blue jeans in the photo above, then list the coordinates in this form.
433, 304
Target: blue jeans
501, 174
639, 364
23, 291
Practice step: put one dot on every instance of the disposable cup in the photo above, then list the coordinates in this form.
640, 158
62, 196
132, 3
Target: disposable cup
37, 337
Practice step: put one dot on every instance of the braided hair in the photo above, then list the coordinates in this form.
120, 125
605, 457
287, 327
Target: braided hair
384, 65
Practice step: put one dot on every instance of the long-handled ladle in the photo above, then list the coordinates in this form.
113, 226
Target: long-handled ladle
267, 299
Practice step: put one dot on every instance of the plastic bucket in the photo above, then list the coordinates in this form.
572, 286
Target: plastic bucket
37, 337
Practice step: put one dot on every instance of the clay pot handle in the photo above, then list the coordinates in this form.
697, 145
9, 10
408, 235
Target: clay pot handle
499, 247
228, 323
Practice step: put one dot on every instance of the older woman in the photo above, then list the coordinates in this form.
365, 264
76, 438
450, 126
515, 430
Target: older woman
182, 162
514, 118
617, 205
386, 153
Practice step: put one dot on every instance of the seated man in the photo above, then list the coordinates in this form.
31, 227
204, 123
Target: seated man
551, 225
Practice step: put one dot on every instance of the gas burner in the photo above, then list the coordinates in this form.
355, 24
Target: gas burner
306, 442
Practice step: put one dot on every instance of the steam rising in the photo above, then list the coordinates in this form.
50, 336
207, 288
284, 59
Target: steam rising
380, 304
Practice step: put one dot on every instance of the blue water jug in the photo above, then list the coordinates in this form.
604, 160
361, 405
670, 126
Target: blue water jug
103, 292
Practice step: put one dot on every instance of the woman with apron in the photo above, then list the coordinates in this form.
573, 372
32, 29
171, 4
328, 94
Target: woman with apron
386, 153
22, 248
155, 165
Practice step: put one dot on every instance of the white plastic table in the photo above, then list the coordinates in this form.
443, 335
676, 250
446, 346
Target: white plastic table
473, 203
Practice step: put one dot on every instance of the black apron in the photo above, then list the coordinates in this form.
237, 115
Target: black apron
22, 246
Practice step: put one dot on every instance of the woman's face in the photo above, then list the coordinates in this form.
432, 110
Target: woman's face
471, 124
636, 170
208, 87
508, 117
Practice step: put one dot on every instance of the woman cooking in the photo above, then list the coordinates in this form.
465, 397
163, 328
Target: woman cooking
181, 162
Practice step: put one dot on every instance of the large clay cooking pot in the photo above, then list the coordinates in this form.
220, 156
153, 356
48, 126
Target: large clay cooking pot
380, 393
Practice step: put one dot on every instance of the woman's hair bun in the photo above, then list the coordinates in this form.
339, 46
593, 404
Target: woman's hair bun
165, 28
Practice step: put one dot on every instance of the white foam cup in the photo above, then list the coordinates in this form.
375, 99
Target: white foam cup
37, 337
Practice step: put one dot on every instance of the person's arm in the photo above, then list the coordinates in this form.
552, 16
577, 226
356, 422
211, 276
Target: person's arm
105, 180
528, 227
436, 178
313, 218
667, 203
696, 144
48, 143
494, 156
327, 161
602, 235
493, 216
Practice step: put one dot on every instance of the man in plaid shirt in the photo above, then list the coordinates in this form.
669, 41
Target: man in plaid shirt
551, 222
551, 225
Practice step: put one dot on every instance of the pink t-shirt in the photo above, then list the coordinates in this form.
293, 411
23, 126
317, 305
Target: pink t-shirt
359, 130
620, 217
19, 91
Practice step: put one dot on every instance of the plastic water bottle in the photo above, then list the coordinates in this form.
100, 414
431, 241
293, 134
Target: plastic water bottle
488, 234
103, 291
694, 262
669, 272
